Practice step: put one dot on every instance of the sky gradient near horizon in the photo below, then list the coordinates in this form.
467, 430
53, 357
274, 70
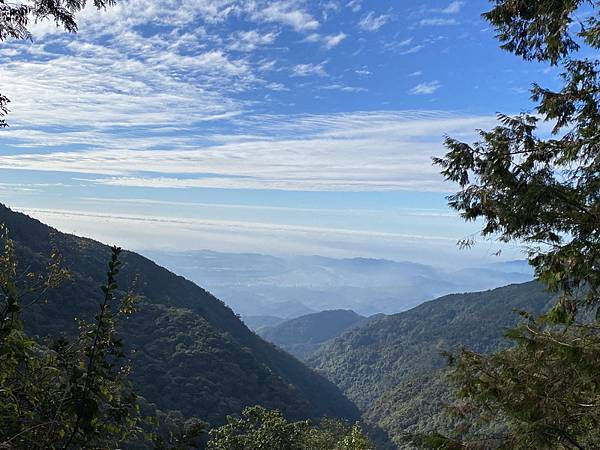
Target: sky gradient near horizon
285, 126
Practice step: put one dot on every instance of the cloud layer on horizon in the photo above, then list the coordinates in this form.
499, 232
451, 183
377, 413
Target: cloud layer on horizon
368, 151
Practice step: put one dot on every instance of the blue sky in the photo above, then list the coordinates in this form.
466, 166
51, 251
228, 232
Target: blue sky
283, 126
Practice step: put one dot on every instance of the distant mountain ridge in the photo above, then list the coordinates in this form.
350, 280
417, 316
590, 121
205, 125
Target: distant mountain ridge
255, 323
191, 351
290, 287
304, 335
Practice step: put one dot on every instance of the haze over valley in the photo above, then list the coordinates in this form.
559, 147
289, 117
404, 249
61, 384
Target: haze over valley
288, 287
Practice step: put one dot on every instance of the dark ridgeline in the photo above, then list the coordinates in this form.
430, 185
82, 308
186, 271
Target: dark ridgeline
304, 335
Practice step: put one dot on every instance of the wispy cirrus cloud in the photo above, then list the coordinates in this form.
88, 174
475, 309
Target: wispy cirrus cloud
286, 12
146, 62
354, 5
372, 22
344, 88
305, 70
426, 88
379, 151
114, 90
329, 41
437, 22
247, 41
454, 7
403, 47
184, 233
333, 40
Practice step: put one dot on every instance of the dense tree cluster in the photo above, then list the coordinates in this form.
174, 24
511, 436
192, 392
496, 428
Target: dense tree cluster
260, 428
393, 367
376, 357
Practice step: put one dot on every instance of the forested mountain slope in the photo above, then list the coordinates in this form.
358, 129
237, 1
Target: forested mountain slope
191, 352
304, 335
392, 366
367, 361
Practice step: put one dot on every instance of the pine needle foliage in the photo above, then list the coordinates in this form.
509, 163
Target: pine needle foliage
543, 190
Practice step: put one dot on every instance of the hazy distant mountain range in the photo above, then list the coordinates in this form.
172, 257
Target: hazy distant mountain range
288, 287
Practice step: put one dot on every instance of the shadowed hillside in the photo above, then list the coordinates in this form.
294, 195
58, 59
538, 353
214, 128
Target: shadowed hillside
304, 335
191, 352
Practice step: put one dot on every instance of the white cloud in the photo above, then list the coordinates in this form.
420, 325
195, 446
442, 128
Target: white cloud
426, 88
371, 22
354, 5
247, 41
378, 151
287, 13
111, 74
403, 47
100, 90
411, 50
437, 22
453, 8
328, 8
333, 40
343, 88
329, 41
305, 70
313, 37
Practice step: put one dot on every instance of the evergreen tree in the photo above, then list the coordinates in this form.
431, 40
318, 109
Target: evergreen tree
545, 192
